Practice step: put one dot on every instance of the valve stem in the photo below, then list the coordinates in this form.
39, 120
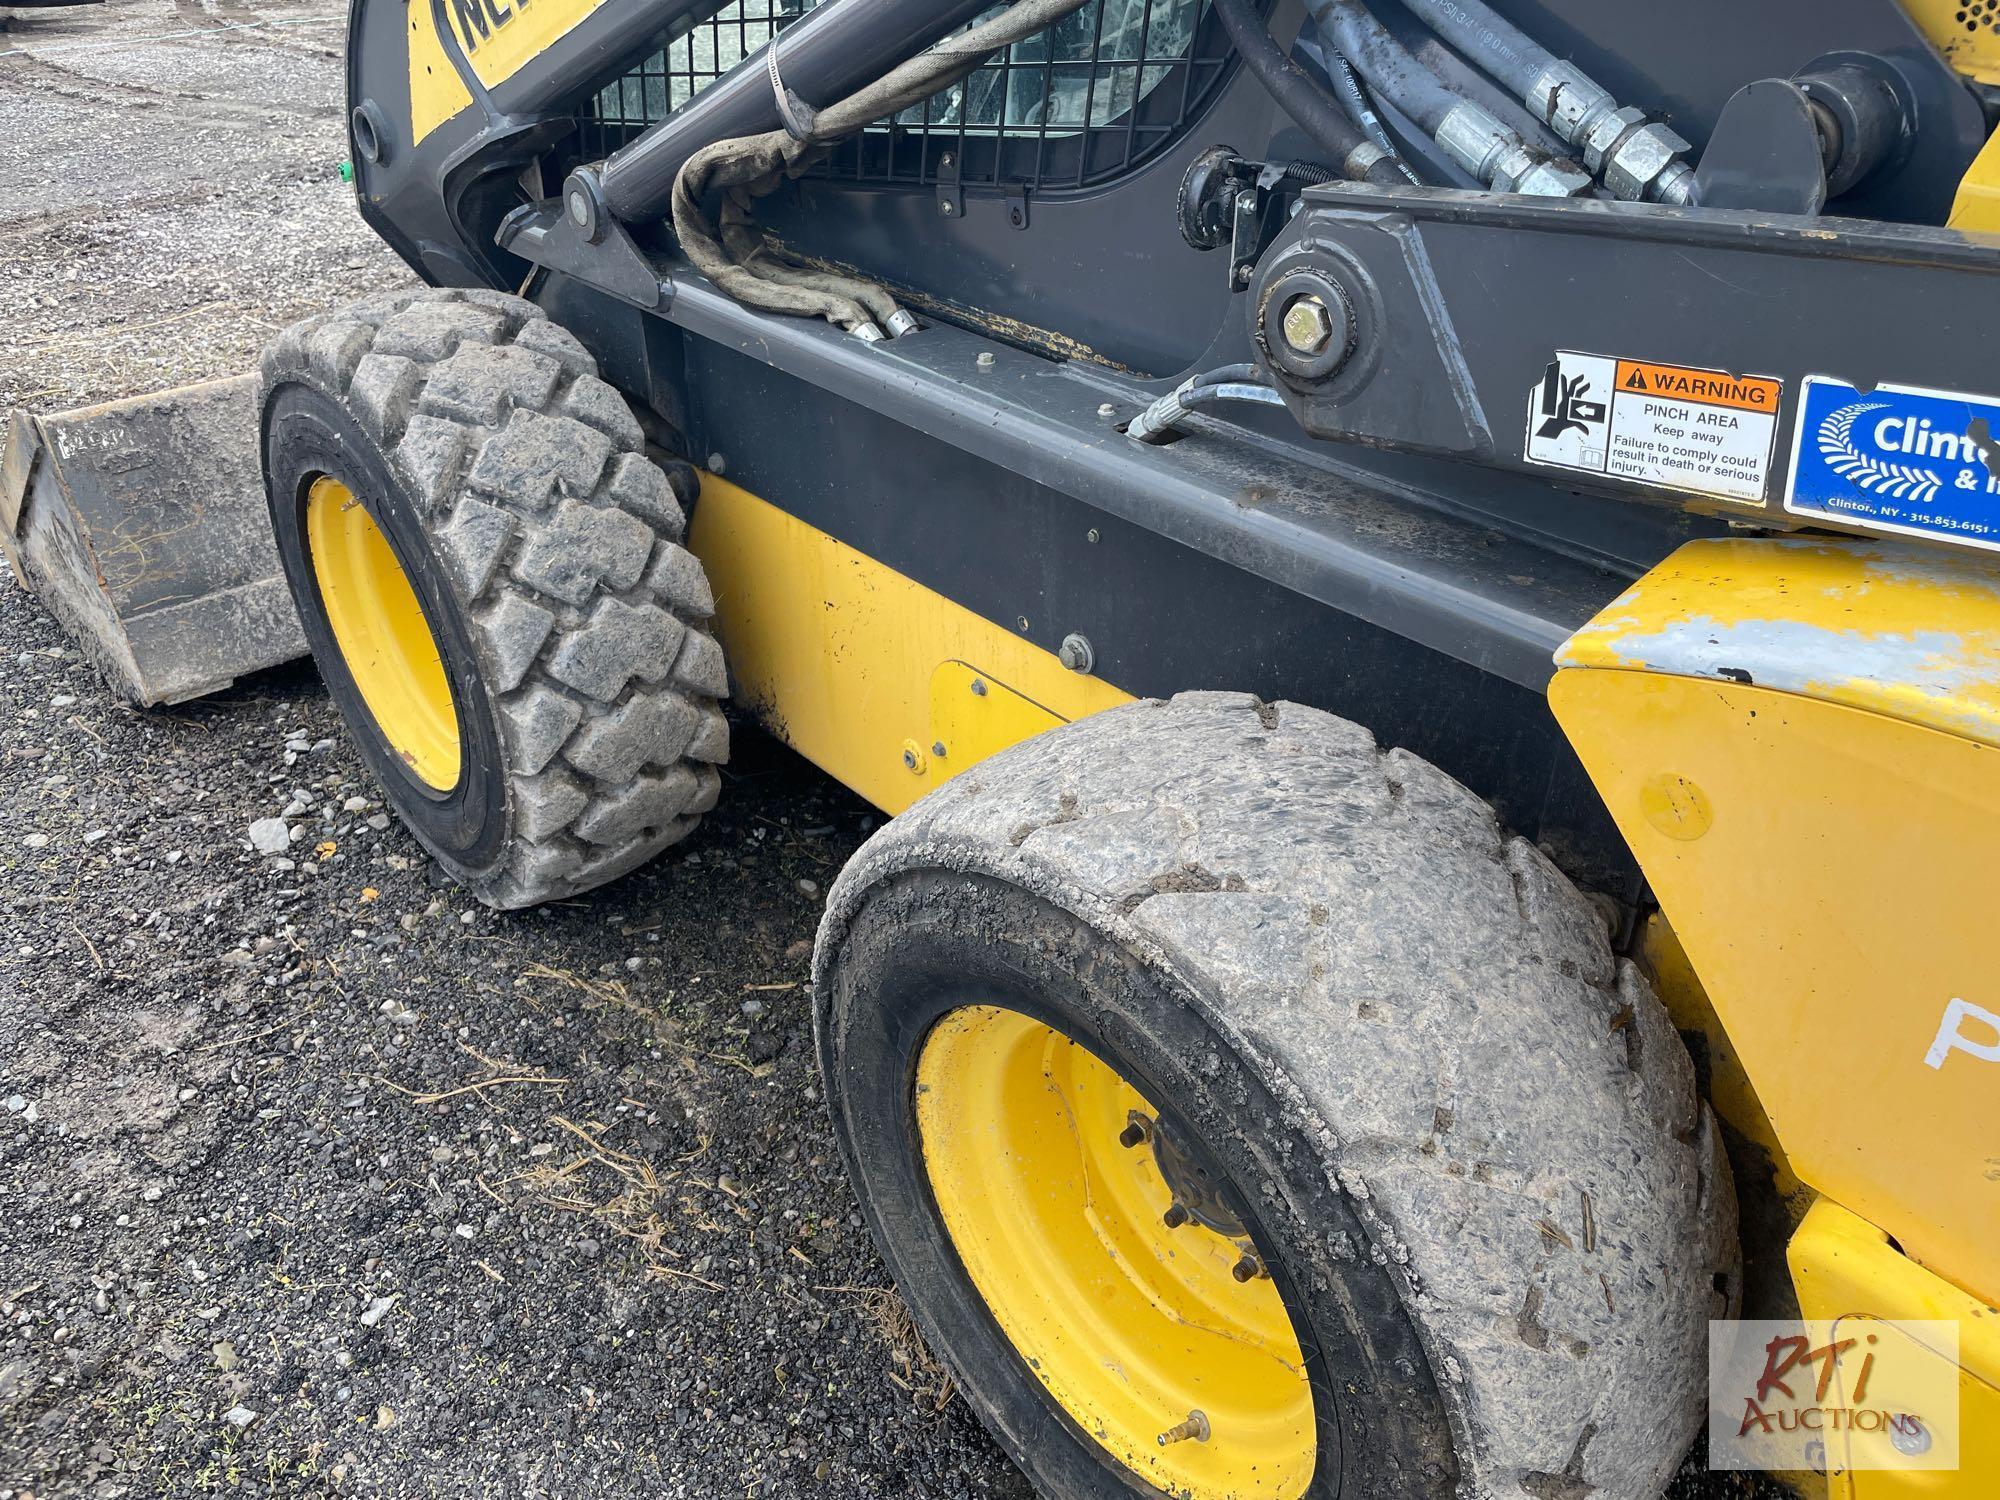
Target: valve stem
1196, 1427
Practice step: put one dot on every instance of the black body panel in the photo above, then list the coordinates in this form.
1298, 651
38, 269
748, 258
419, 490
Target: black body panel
1418, 594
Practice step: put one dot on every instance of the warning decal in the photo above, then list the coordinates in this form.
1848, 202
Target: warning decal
1705, 432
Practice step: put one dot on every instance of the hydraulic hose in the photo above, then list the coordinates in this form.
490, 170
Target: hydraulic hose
1390, 68
1492, 151
1487, 40
1360, 108
1304, 100
747, 167
1635, 158
1159, 421
832, 50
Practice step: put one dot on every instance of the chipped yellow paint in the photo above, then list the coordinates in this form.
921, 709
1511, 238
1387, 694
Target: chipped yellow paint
436, 91
1893, 629
885, 684
1847, 1270
1963, 33
1835, 705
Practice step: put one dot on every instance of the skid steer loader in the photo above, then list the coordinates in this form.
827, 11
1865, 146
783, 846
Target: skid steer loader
1420, 577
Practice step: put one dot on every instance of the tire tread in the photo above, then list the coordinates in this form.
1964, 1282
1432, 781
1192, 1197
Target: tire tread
562, 540
1504, 1100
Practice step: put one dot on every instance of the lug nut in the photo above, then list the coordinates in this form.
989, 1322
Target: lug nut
1308, 325
1138, 1130
1196, 1427
1176, 1215
1249, 1267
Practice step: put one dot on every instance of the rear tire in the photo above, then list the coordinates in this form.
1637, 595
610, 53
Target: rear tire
543, 547
1468, 1133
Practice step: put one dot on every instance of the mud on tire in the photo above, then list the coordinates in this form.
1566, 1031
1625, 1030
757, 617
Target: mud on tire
1498, 1099
545, 548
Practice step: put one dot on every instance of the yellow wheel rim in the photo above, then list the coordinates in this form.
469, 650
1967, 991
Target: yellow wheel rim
1130, 1325
384, 639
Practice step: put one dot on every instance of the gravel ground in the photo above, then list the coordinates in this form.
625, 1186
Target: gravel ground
314, 1175
182, 200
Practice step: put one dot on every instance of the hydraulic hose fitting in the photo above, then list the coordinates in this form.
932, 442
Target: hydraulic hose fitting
902, 322
1566, 100
1636, 158
1498, 157
1361, 158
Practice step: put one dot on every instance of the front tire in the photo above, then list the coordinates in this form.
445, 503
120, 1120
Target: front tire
1464, 1136
489, 571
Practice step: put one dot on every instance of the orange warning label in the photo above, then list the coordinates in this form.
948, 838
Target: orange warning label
1711, 387
1675, 426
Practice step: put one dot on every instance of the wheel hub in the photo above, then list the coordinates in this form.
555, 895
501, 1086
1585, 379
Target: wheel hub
1121, 1276
1208, 1198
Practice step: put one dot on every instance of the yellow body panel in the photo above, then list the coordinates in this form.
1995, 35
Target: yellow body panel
1966, 31
863, 671
1729, 1088
1976, 210
1817, 806
1894, 629
501, 36
1847, 1270
498, 37
1133, 1327
436, 91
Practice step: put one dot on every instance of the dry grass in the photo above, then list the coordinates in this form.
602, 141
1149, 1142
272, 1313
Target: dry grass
916, 1369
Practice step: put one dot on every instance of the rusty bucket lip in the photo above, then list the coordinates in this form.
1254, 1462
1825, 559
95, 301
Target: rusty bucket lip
141, 524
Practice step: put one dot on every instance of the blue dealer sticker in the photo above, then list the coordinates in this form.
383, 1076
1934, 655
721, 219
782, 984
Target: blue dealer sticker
1898, 458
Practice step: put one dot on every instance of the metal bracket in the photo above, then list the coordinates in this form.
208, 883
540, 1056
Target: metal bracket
950, 201
1017, 207
1256, 217
548, 236
1246, 238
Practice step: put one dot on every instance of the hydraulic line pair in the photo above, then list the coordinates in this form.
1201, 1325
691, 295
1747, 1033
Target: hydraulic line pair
1634, 159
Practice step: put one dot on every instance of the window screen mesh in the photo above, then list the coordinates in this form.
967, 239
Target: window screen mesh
1085, 101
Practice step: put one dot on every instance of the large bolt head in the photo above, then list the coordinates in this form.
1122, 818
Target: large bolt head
1548, 177
1303, 323
1604, 134
1640, 159
1077, 653
1308, 325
